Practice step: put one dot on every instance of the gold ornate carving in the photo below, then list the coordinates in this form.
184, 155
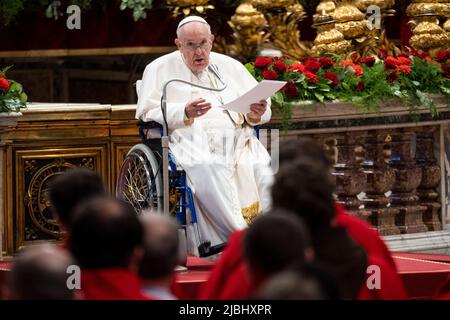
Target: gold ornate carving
188, 7
349, 20
251, 212
328, 39
283, 17
30, 166
37, 197
87, 163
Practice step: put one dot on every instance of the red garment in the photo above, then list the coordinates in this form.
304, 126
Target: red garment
111, 284
391, 285
364, 235
444, 292
229, 279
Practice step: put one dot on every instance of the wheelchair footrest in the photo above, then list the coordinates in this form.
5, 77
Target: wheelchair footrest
206, 250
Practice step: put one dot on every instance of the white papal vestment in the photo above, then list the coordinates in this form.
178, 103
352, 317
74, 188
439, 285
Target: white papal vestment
227, 167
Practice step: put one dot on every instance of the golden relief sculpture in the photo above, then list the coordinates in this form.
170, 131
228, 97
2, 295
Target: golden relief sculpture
282, 17
328, 39
350, 21
427, 33
248, 32
188, 7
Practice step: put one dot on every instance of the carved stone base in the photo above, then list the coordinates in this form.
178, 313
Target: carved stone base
384, 220
431, 216
409, 219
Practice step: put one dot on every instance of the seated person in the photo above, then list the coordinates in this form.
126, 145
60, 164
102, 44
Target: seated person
227, 167
161, 255
39, 272
107, 243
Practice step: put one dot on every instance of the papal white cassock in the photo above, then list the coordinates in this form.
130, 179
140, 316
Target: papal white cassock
227, 167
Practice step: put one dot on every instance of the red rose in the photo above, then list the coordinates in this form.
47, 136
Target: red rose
361, 85
370, 61
442, 56
297, 66
358, 69
280, 66
312, 65
332, 77
4, 85
354, 57
345, 63
263, 62
312, 78
404, 61
423, 55
290, 90
270, 75
392, 77
382, 54
404, 69
391, 63
404, 55
325, 62
446, 70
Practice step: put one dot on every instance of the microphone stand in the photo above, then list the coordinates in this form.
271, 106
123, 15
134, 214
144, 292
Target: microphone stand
165, 136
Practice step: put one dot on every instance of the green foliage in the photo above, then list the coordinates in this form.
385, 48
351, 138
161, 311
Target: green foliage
8, 10
13, 99
139, 7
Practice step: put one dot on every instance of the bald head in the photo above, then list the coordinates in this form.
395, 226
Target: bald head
160, 246
39, 272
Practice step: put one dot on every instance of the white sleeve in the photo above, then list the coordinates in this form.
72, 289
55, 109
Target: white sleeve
149, 100
248, 83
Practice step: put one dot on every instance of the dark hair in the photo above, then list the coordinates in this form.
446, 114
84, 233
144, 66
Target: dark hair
161, 248
40, 273
71, 188
305, 149
306, 189
105, 232
275, 241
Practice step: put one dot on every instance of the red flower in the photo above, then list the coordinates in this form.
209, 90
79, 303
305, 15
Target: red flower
391, 63
290, 90
382, 54
332, 77
392, 77
312, 78
354, 57
370, 61
404, 69
358, 69
4, 85
280, 66
446, 70
270, 75
404, 61
361, 85
297, 66
312, 65
346, 63
421, 54
262, 62
404, 55
325, 62
442, 56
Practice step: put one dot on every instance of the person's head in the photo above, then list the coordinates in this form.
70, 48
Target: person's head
106, 233
305, 188
160, 247
194, 40
71, 188
305, 149
39, 272
275, 242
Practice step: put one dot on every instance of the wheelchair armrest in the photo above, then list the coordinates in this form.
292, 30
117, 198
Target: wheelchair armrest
145, 126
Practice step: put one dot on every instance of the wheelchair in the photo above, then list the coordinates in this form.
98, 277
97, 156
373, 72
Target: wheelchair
140, 183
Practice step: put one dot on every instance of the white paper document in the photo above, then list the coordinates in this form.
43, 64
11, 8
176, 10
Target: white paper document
264, 90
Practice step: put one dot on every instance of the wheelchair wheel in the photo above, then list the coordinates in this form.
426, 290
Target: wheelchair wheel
140, 179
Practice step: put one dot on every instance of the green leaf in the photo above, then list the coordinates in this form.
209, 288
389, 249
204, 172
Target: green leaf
250, 68
319, 96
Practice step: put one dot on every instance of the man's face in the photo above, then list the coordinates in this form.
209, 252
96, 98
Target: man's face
195, 44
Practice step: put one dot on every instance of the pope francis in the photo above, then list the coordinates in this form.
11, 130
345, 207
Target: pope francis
227, 167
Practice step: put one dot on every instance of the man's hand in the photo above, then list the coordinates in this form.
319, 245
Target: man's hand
257, 110
197, 108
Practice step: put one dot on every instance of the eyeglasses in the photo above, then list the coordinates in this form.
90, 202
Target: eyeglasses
204, 45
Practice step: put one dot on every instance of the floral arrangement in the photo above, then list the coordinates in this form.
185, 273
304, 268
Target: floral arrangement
365, 82
12, 97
